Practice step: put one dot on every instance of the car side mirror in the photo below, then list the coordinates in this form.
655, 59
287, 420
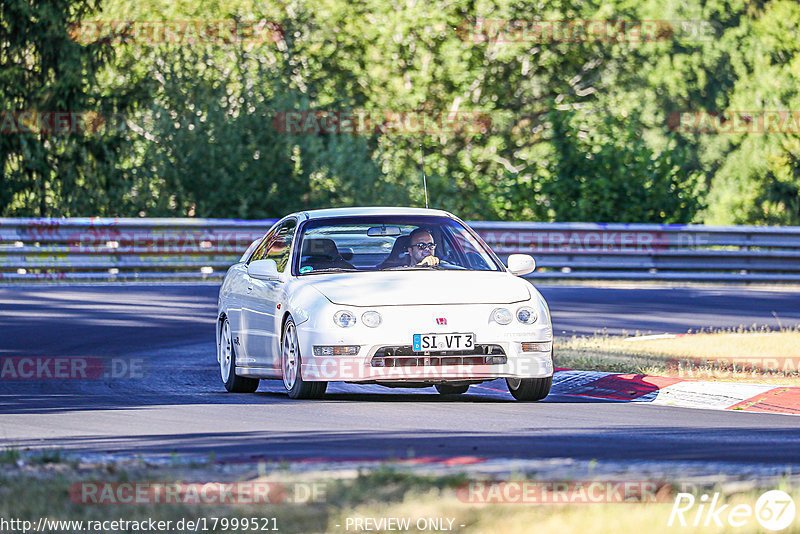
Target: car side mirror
521, 264
263, 270
250, 250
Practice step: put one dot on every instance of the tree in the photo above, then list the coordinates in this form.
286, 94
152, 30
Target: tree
758, 179
47, 166
603, 172
214, 147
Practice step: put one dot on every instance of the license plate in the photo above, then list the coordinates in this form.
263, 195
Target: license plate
426, 342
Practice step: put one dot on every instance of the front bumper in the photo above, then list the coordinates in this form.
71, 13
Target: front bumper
355, 369
372, 363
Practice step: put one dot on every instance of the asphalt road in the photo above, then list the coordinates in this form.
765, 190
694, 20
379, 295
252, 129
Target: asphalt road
176, 403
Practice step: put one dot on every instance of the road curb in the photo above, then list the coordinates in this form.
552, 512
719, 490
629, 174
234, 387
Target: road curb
671, 391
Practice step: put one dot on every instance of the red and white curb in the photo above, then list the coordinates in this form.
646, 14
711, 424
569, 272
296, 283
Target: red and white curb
669, 391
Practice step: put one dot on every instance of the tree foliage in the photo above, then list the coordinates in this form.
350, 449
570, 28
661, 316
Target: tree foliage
576, 129
602, 171
43, 71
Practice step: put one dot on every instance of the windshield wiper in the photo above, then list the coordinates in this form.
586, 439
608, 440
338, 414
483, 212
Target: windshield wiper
332, 270
440, 266
410, 268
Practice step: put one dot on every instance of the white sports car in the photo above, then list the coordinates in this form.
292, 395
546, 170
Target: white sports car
401, 297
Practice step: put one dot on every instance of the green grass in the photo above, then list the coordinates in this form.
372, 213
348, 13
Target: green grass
10, 455
739, 354
48, 456
43, 490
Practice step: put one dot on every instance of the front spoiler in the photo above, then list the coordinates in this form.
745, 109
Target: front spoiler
359, 369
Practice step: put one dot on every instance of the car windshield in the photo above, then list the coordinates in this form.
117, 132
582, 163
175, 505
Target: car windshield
347, 244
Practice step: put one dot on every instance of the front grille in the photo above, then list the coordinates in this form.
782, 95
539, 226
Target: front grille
404, 356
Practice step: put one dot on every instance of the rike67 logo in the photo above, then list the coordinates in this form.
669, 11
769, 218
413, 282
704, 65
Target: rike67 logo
774, 510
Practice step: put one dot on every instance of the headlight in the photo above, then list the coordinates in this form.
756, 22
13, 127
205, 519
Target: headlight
344, 318
526, 315
371, 319
502, 316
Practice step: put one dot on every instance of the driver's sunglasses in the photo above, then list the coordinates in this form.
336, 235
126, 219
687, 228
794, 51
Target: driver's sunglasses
425, 246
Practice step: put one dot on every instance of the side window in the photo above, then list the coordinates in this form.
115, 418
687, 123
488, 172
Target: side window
277, 247
258, 253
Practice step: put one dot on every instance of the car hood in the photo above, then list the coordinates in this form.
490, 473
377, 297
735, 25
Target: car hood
388, 288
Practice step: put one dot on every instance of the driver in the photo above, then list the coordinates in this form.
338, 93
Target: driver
421, 247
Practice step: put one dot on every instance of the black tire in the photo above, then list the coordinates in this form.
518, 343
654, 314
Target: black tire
447, 389
234, 383
529, 389
290, 348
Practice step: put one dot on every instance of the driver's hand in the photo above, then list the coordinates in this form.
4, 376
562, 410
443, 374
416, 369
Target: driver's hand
429, 260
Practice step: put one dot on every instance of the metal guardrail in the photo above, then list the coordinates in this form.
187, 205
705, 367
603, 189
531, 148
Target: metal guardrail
651, 251
122, 249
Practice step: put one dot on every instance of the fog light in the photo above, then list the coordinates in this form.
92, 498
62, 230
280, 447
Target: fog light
335, 350
545, 346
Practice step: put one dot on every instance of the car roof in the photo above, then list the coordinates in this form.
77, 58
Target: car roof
373, 210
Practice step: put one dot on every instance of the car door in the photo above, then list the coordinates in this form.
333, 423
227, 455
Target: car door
235, 290
260, 313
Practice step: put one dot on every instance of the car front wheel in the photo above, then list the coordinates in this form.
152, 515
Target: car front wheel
529, 389
291, 365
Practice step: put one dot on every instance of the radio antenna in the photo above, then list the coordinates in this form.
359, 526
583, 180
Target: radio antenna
424, 179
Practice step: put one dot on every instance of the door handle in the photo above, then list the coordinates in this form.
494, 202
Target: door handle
249, 289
